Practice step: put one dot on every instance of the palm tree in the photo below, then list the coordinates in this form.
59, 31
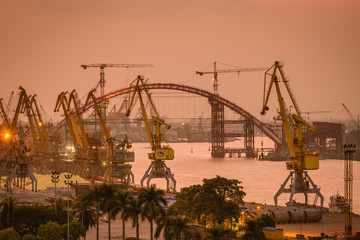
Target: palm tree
7, 213
153, 200
84, 212
253, 231
94, 196
122, 200
174, 226
133, 210
108, 202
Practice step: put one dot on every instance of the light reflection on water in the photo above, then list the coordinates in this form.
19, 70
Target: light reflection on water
260, 179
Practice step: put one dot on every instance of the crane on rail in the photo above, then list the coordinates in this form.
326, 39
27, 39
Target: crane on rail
217, 71
160, 153
301, 158
118, 158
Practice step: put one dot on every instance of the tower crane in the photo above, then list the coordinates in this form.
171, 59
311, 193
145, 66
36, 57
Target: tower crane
159, 154
102, 67
301, 159
217, 71
102, 81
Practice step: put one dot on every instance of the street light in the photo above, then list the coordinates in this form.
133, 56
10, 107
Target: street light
68, 182
55, 179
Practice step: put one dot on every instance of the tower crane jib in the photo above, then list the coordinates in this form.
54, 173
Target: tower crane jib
234, 70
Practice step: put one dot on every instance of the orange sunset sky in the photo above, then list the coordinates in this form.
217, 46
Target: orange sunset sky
44, 42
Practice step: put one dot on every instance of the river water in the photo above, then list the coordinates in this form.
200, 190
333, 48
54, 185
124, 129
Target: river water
260, 179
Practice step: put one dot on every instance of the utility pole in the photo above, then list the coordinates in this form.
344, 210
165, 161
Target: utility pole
348, 149
68, 182
55, 180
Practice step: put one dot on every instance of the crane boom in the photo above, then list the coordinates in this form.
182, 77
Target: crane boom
352, 117
3, 114
104, 65
216, 72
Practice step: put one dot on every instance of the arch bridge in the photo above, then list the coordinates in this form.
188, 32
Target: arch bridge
217, 117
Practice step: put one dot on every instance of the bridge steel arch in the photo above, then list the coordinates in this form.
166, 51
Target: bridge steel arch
210, 96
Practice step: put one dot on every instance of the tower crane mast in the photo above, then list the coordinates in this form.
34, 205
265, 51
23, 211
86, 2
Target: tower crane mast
300, 159
217, 71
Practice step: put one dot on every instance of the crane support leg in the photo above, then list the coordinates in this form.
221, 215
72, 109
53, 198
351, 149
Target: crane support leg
122, 172
300, 183
21, 171
158, 169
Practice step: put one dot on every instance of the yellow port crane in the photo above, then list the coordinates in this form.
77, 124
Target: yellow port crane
217, 71
118, 159
159, 154
301, 158
62, 102
18, 156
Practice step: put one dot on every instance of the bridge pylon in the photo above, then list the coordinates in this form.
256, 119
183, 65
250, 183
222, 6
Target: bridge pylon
217, 129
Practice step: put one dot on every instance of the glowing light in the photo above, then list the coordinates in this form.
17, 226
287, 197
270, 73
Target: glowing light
258, 207
7, 135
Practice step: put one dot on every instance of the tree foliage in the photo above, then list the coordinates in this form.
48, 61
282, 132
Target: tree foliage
28, 237
50, 231
133, 211
253, 230
216, 200
153, 201
217, 232
76, 230
266, 221
27, 219
122, 201
173, 225
9, 234
7, 213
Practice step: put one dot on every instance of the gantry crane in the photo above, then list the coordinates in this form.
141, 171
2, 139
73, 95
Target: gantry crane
18, 155
217, 71
159, 154
118, 158
301, 159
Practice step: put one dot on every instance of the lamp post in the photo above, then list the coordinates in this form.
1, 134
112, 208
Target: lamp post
55, 180
68, 182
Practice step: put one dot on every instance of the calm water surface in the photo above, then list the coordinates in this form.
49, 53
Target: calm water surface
260, 179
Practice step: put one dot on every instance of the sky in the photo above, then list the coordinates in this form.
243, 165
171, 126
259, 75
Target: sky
43, 43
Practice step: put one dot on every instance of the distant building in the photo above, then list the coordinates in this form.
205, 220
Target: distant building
272, 233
